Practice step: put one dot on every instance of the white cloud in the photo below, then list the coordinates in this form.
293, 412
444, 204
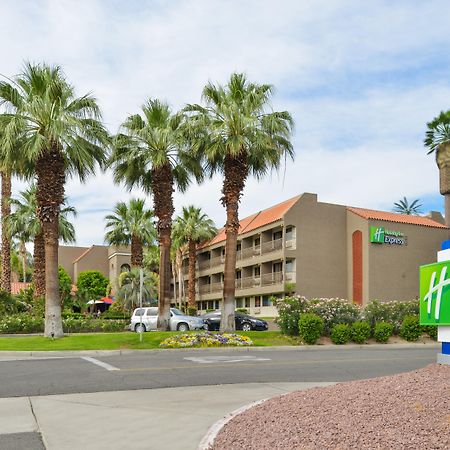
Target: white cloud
360, 78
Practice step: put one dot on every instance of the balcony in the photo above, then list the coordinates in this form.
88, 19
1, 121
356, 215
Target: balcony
269, 279
271, 246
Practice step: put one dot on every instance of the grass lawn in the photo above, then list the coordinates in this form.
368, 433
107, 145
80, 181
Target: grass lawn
119, 341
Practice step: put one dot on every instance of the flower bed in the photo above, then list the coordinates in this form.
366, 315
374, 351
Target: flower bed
205, 340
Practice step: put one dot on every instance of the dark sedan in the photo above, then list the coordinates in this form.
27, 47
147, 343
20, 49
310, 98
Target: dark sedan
243, 322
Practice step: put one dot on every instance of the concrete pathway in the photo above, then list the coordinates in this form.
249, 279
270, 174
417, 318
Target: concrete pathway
172, 418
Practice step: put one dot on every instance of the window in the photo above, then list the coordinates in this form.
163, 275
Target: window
258, 301
223, 251
257, 242
239, 303
277, 235
125, 268
238, 274
256, 271
211, 304
289, 233
204, 306
152, 312
139, 312
277, 267
267, 301
247, 302
290, 265
238, 247
216, 304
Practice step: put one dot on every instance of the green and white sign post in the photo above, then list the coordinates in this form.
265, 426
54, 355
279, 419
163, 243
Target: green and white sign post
435, 299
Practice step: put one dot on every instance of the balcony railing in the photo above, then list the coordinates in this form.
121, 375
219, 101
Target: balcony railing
268, 279
271, 246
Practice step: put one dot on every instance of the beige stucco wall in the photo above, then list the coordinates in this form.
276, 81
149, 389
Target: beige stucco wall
95, 259
321, 250
66, 257
394, 269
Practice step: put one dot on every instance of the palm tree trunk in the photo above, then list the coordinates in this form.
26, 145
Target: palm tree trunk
50, 195
174, 277
179, 260
23, 254
137, 253
6, 240
39, 265
162, 188
447, 210
191, 286
235, 174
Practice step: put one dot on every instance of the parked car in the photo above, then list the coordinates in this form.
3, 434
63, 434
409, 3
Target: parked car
243, 322
178, 321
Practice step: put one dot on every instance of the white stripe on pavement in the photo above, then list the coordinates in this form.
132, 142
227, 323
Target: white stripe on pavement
99, 363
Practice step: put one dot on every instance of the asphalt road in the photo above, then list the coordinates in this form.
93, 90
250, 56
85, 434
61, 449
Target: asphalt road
159, 369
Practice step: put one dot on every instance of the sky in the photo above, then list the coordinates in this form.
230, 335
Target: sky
361, 80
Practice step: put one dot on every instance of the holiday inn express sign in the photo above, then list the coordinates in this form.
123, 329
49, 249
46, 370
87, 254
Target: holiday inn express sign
379, 235
435, 294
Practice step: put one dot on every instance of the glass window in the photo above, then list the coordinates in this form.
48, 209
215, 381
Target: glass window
277, 235
139, 312
278, 267
257, 301
267, 301
152, 311
239, 303
125, 268
247, 302
238, 247
257, 242
238, 274
216, 305
257, 271
290, 266
289, 231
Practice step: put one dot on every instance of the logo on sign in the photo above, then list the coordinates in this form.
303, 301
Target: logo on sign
435, 294
379, 235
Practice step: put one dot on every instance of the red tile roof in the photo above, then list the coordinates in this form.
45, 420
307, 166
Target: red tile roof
16, 287
257, 220
395, 217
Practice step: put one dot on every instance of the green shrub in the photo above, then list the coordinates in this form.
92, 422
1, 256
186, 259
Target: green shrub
410, 329
21, 323
191, 311
334, 311
340, 333
310, 328
242, 310
431, 330
360, 332
92, 284
393, 312
383, 331
289, 312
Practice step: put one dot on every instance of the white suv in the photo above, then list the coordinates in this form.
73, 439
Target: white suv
178, 321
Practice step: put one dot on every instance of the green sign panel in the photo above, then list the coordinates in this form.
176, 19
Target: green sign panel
435, 294
379, 235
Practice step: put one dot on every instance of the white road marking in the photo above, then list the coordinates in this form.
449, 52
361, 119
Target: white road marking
99, 363
222, 359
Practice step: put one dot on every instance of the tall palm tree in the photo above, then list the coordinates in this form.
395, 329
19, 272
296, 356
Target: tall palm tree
23, 223
63, 136
437, 139
191, 228
150, 153
410, 209
243, 137
131, 224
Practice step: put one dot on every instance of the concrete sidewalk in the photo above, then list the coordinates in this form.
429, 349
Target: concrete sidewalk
173, 418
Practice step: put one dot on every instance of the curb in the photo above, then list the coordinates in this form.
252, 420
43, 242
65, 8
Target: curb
208, 439
300, 348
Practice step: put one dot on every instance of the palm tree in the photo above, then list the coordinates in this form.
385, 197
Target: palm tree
129, 286
150, 153
131, 224
62, 135
24, 224
410, 209
238, 137
437, 139
191, 228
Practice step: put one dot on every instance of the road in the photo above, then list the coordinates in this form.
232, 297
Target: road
39, 376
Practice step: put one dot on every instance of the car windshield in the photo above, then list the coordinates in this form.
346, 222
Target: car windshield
177, 312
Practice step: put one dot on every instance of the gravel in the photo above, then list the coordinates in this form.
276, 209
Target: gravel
405, 411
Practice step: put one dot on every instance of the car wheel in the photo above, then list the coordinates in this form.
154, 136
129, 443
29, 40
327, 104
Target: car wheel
183, 327
206, 327
138, 329
246, 327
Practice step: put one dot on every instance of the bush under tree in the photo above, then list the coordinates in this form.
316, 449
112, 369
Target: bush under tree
310, 327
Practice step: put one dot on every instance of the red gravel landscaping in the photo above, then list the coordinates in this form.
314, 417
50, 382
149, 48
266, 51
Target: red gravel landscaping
405, 411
